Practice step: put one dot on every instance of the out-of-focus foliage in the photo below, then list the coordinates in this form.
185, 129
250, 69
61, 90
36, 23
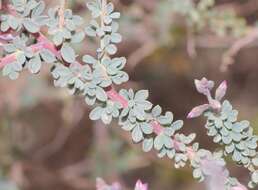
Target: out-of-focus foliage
145, 26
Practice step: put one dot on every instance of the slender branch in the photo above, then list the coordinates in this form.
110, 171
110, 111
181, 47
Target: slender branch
42, 42
190, 44
228, 57
141, 53
102, 23
61, 13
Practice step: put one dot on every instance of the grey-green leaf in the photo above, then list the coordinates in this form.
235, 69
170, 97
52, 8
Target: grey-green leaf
68, 53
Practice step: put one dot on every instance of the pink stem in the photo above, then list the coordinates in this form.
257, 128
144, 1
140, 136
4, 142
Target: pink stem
42, 42
157, 128
48, 45
7, 59
116, 97
6, 37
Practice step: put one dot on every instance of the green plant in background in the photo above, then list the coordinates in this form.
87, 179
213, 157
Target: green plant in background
202, 14
95, 78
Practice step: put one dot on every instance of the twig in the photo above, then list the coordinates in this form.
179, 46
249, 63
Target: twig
140, 54
191, 45
78, 169
42, 42
241, 9
228, 57
61, 13
58, 142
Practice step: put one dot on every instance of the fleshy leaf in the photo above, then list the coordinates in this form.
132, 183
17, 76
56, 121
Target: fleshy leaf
198, 110
141, 186
221, 91
204, 86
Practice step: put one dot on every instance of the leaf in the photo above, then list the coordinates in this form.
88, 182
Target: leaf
111, 49
115, 15
78, 37
96, 113
47, 56
177, 125
34, 65
20, 58
147, 144
141, 95
110, 8
226, 139
68, 53
221, 91
230, 148
89, 59
13, 22
101, 94
30, 25
106, 119
4, 26
37, 11
255, 177
197, 173
94, 7
58, 38
120, 78
236, 156
137, 134
139, 112
70, 25
255, 161
146, 128
158, 142
90, 100
197, 111
9, 71
156, 111
13, 75
166, 119
90, 31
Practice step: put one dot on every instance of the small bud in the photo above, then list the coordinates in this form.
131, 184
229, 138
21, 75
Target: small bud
204, 86
140, 186
215, 104
6, 37
198, 110
239, 187
215, 172
102, 185
221, 91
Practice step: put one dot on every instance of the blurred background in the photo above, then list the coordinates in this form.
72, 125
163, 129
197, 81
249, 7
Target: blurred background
47, 141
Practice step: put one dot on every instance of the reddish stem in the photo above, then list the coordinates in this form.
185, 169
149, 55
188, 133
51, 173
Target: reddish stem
7, 60
42, 42
157, 128
116, 97
48, 45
